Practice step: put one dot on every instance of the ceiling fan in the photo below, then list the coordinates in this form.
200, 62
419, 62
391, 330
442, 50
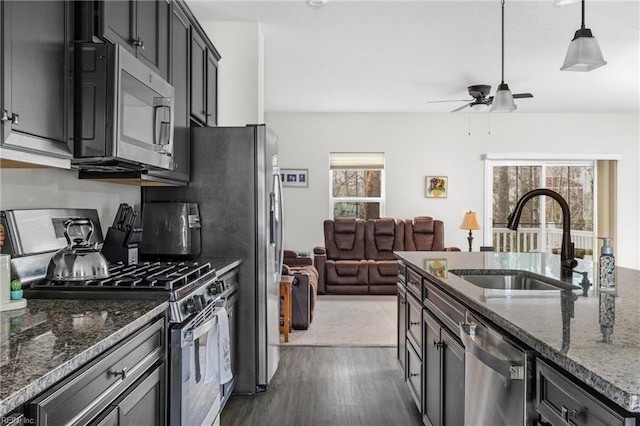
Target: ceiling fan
504, 97
480, 100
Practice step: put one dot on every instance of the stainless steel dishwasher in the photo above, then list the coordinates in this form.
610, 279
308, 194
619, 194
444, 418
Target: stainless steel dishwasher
499, 377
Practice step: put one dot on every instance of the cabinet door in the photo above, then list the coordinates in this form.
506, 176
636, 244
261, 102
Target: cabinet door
152, 34
452, 379
179, 78
36, 74
198, 76
117, 22
432, 378
212, 90
402, 330
144, 405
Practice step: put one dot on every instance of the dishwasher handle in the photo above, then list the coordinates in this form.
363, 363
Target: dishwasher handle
478, 342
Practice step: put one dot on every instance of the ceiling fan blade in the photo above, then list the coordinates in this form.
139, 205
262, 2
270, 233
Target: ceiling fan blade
437, 102
522, 95
461, 108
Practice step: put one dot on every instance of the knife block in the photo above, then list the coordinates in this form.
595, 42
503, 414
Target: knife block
122, 246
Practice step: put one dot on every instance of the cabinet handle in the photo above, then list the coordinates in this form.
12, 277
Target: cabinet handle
438, 345
138, 43
414, 374
414, 322
124, 373
566, 414
13, 118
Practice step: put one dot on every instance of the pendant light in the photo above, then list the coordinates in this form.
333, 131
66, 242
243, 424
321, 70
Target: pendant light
584, 51
503, 100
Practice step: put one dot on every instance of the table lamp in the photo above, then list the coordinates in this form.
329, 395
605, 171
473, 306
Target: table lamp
470, 222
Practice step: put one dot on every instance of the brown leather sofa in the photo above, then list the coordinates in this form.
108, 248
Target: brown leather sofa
358, 255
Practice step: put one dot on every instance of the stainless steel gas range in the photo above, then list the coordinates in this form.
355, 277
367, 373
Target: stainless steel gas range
197, 292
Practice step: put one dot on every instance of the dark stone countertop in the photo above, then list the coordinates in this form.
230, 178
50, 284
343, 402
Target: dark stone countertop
52, 338
562, 330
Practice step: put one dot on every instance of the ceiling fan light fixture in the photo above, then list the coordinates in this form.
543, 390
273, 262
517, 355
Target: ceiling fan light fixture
503, 100
584, 52
479, 107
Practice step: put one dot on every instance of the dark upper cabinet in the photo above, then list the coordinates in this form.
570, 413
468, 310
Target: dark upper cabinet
212, 89
179, 78
198, 77
204, 80
36, 77
142, 26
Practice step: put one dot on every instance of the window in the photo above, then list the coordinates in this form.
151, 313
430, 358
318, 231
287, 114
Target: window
357, 184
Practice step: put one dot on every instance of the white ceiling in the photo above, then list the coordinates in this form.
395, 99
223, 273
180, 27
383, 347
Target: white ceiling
394, 56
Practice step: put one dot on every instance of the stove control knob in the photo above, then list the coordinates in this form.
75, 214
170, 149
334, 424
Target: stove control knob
191, 306
214, 288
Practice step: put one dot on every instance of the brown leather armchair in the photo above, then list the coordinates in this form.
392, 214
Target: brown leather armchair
303, 290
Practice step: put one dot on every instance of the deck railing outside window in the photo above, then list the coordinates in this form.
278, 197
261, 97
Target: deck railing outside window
530, 240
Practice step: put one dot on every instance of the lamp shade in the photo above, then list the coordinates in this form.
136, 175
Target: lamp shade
470, 221
584, 53
503, 100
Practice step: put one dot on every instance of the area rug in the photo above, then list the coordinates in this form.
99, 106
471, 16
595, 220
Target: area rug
350, 321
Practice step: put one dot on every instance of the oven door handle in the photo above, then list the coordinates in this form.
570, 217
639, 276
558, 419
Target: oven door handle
191, 335
478, 342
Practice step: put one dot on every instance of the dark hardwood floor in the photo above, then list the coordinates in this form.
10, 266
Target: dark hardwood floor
329, 386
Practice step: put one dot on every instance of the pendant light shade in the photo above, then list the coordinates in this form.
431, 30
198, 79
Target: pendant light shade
584, 51
503, 100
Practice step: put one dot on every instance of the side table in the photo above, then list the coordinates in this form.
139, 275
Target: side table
285, 306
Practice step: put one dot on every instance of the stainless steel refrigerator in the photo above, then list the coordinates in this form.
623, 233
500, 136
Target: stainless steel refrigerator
236, 182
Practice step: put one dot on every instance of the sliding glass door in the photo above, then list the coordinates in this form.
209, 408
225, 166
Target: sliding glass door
540, 228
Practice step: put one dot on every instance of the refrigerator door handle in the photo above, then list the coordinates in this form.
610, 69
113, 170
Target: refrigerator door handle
272, 219
281, 222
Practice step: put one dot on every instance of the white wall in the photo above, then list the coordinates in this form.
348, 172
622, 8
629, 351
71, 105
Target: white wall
240, 71
417, 145
42, 188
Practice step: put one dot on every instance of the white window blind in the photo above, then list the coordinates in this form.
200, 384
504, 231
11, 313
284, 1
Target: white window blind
356, 160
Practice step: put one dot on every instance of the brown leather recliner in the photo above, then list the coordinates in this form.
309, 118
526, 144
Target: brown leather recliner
345, 268
423, 233
383, 237
304, 289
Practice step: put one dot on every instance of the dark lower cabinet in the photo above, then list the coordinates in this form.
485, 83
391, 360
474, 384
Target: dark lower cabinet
143, 405
36, 79
560, 401
443, 364
402, 330
124, 386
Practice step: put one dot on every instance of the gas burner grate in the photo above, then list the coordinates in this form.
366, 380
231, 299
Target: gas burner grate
152, 276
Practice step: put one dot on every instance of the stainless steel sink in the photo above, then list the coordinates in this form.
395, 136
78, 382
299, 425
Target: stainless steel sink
513, 282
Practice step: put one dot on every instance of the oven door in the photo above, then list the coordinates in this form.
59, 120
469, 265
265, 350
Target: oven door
193, 385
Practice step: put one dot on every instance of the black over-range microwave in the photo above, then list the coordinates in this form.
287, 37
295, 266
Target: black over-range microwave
123, 112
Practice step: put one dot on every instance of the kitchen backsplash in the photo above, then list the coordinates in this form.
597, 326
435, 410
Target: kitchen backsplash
39, 188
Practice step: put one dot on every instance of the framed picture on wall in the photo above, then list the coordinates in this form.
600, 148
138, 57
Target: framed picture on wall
295, 177
436, 187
